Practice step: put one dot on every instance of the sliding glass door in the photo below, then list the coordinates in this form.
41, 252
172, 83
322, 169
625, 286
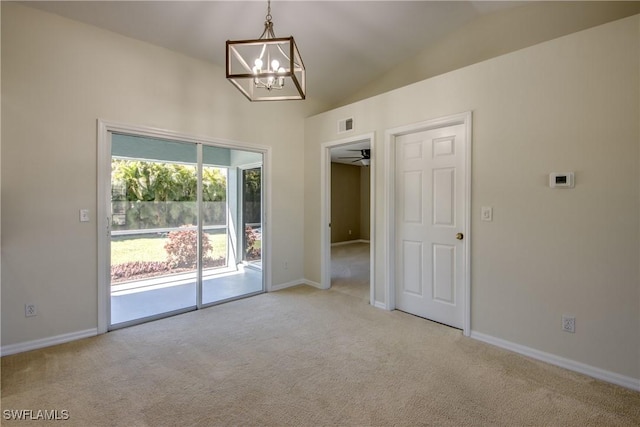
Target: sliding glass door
173, 244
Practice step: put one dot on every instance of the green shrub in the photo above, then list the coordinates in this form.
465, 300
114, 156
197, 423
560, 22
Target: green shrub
159, 195
251, 236
182, 248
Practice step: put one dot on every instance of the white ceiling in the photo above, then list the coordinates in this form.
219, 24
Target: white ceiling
342, 153
344, 44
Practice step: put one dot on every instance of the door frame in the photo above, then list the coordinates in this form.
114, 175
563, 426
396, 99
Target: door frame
325, 210
103, 215
389, 205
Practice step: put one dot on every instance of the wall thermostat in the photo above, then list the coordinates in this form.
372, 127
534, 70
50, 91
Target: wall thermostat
561, 180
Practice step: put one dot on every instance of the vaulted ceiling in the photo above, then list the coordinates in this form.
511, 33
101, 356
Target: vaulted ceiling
345, 45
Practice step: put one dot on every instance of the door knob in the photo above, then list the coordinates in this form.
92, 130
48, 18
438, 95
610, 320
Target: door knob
459, 236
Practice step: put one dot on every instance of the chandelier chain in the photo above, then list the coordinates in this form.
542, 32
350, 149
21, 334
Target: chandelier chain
268, 17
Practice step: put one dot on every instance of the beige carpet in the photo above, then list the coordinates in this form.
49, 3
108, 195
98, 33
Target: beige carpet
350, 269
304, 357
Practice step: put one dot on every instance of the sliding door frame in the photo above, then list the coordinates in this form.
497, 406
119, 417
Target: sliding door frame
103, 217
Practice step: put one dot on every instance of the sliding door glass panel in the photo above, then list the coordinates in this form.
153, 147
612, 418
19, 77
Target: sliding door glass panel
223, 228
215, 245
154, 229
252, 215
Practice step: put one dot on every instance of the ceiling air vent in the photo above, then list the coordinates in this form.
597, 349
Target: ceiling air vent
345, 125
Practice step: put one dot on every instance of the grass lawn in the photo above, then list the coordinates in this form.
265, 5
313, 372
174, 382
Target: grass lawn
129, 249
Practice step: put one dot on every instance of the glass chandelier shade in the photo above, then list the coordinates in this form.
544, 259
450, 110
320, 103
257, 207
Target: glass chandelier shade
268, 68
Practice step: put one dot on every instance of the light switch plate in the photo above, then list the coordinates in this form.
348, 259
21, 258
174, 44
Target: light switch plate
487, 213
84, 215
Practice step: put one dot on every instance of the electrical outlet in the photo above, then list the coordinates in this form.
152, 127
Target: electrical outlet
349, 232
30, 310
568, 323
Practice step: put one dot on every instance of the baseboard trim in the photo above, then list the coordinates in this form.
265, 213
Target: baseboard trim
350, 242
572, 365
312, 283
380, 305
286, 285
295, 283
46, 342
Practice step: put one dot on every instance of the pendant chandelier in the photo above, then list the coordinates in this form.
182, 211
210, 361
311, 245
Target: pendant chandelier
268, 68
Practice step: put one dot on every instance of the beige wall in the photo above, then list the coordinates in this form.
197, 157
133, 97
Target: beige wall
570, 104
58, 77
345, 202
350, 203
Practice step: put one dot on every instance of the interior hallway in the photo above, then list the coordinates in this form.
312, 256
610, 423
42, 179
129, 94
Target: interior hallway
350, 269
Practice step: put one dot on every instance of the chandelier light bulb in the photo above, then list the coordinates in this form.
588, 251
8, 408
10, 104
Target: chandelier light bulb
275, 65
281, 70
258, 63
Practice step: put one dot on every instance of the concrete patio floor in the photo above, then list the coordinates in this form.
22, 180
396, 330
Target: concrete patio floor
151, 297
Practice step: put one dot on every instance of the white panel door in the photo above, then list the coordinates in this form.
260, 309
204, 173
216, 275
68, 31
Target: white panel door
430, 221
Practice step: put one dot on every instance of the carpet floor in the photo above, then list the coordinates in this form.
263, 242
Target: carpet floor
350, 269
302, 357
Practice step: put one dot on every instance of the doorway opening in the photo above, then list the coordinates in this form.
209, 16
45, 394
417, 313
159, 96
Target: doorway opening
347, 209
